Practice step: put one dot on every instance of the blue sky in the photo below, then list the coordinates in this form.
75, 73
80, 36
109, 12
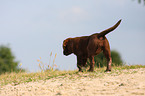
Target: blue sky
34, 28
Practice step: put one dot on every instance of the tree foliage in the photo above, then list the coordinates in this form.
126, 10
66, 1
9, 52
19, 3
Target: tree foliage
7, 60
100, 60
140, 1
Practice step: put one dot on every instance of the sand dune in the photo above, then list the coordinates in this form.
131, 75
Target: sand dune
126, 83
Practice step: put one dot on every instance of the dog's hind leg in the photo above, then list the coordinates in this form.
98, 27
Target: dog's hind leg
107, 54
109, 62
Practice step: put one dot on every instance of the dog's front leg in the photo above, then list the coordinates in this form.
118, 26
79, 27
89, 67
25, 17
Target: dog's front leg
92, 62
79, 64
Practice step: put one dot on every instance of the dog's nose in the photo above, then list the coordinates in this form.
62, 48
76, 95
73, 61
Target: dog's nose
64, 53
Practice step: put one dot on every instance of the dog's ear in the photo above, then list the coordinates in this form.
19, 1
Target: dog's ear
65, 43
68, 46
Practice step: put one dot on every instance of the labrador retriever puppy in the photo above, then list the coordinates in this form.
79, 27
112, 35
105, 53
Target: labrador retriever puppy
88, 46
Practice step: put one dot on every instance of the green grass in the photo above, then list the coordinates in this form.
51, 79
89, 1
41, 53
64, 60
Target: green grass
21, 77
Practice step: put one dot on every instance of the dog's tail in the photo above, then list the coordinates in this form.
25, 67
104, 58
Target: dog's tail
103, 33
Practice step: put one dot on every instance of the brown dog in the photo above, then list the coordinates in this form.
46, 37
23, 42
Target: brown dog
88, 46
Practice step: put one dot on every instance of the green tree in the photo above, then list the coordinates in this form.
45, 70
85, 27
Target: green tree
7, 60
100, 60
140, 1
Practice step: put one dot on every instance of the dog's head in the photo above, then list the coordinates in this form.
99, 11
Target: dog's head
67, 47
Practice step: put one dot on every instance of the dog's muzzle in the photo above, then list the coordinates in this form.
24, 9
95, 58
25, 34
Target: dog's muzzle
66, 53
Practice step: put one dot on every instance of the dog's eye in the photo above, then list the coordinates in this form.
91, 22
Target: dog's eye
66, 47
63, 47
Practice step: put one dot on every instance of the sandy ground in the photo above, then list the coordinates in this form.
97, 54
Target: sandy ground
130, 83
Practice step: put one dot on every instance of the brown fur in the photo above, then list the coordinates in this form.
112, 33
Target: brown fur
88, 46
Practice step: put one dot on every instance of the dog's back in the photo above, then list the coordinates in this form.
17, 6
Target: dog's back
81, 44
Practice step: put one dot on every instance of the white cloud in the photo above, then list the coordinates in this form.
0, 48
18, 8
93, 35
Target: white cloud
77, 10
74, 14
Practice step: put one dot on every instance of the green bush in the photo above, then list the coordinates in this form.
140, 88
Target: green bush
100, 60
7, 60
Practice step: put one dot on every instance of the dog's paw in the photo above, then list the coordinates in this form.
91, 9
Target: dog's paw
91, 70
108, 71
80, 70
